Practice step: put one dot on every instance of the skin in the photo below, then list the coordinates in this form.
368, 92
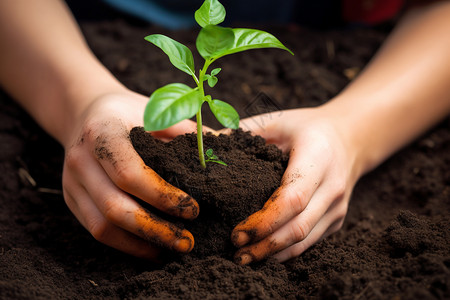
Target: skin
401, 93
52, 73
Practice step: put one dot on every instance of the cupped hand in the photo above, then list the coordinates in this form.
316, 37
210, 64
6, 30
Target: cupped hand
102, 173
313, 197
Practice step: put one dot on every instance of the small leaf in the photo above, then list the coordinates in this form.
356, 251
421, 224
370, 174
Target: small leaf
224, 113
220, 162
180, 55
246, 39
210, 13
217, 162
211, 157
216, 71
213, 40
171, 104
207, 76
209, 152
212, 80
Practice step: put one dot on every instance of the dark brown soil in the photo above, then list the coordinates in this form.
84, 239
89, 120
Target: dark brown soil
226, 194
394, 243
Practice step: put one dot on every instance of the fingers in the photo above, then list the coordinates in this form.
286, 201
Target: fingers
183, 127
186, 126
125, 168
329, 224
299, 183
105, 210
299, 233
107, 233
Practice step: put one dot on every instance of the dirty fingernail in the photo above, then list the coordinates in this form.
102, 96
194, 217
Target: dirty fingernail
244, 259
188, 208
240, 238
184, 245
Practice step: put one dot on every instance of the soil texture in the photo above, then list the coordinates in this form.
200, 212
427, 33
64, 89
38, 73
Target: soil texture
226, 194
394, 243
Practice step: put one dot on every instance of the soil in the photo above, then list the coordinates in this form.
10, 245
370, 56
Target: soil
394, 243
226, 194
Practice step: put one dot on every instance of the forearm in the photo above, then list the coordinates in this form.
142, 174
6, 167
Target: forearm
404, 90
46, 64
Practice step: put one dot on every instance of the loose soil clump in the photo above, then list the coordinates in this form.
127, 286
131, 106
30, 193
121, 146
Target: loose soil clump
226, 194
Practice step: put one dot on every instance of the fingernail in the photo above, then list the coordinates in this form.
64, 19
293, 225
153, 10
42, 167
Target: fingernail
240, 238
185, 201
244, 259
188, 208
184, 245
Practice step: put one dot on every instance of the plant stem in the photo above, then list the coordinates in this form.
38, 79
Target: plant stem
199, 82
201, 155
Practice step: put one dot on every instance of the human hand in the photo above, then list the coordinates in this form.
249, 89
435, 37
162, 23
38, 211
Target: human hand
102, 173
312, 200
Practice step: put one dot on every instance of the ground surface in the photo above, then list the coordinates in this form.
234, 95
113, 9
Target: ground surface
394, 243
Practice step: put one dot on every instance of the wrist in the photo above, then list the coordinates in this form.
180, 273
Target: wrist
80, 90
353, 127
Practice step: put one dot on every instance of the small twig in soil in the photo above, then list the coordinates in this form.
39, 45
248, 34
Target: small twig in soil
49, 191
26, 177
92, 282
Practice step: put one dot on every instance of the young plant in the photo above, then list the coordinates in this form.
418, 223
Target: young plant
175, 102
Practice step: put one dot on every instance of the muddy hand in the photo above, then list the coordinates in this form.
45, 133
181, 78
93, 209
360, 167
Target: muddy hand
102, 171
312, 200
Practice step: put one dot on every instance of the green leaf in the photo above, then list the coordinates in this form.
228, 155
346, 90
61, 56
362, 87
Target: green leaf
215, 71
209, 152
180, 55
246, 39
224, 113
171, 104
219, 162
211, 157
213, 40
210, 13
212, 81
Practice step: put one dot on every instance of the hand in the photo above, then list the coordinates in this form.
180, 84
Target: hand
312, 201
102, 173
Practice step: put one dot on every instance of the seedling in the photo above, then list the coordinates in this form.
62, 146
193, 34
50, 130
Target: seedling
175, 102
211, 157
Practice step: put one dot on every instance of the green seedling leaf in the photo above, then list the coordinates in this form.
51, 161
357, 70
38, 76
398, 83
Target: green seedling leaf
216, 71
171, 104
213, 40
210, 13
212, 81
224, 113
246, 39
211, 157
180, 55
217, 162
